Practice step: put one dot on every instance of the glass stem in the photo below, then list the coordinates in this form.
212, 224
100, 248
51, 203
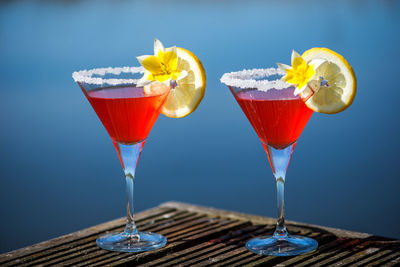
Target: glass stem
130, 227
279, 160
129, 155
280, 230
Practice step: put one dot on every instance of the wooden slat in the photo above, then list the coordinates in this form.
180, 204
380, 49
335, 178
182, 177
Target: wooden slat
187, 229
326, 244
201, 236
387, 260
36, 250
242, 256
122, 255
178, 245
378, 254
88, 245
210, 246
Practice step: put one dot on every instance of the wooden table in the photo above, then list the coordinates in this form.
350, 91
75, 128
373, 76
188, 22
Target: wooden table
204, 236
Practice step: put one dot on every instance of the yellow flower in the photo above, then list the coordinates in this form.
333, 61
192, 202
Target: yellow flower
300, 73
161, 67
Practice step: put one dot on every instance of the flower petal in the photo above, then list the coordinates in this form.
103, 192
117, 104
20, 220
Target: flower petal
144, 80
170, 59
162, 77
160, 55
299, 63
290, 77
283, 67
158, 46
283, 78
294, 55
184, 73
175, 75
141, 58
172, 48
310, 73
152, 64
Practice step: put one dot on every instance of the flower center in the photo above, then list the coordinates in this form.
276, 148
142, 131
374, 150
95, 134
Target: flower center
165, 68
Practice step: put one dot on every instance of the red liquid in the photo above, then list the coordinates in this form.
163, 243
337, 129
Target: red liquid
126, 113
277, 120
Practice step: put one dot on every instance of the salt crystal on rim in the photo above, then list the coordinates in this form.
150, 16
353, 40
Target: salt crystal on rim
247, 79
86, 76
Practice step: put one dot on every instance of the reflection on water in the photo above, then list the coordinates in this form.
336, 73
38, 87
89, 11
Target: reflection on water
60, 172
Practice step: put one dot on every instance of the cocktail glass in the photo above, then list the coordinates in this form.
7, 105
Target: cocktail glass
278, 117
128, 115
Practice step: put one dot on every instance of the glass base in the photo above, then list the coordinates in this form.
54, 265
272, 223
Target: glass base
121, 242
287, 246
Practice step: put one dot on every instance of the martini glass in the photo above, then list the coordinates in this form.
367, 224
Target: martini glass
128, 115
278, 117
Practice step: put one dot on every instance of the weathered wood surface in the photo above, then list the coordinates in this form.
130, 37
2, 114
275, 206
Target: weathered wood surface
199, 236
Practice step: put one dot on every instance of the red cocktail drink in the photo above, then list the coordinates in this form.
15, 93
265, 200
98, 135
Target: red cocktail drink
277, 121
126, 112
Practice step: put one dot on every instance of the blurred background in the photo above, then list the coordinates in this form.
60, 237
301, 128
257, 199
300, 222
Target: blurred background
59, 170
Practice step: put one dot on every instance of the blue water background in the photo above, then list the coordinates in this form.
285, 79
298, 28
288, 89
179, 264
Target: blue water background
59, 170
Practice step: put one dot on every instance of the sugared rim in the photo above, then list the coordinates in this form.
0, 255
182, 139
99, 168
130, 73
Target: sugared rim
247, 79
86, 76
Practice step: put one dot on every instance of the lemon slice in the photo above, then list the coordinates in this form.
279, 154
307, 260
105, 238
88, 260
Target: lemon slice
186, 97
339, 79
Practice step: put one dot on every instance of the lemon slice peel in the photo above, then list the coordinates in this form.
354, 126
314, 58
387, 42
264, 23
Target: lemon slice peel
339, 85
190, 90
